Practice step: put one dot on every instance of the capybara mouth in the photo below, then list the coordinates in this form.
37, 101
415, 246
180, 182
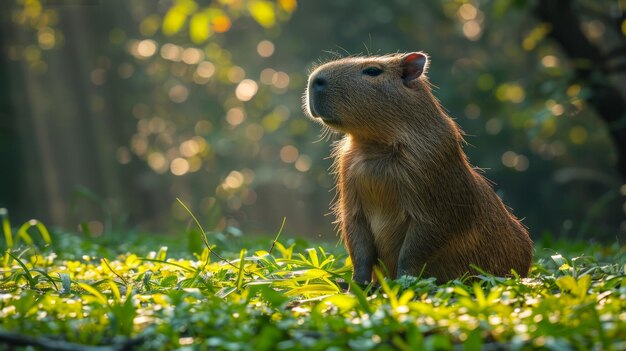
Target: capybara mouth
331, 121
318, 108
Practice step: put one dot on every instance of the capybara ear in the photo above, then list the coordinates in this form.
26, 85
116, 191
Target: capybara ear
413, 66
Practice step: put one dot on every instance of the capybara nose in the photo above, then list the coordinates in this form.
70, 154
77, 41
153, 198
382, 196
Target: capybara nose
319, 84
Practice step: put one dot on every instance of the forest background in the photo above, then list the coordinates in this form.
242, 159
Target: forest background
110, 110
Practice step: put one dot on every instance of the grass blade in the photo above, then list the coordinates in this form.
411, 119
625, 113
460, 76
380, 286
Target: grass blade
93, 291
6, 228
277, 235
31, 280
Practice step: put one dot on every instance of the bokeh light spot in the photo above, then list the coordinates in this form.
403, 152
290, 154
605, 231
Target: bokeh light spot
46, 38
578, 135
486, 82
550, 61
280, 80
139, 144
178, 93
172, 52
289, 154
149, 25
493, 126
594, 29
205, 69
98, 76
146, 48
573, 90
179, 166
303, 164
234, 180
125, 70
221, 24
123, 155
203, 127
521, 163
472, 111
189, 148
246, 90
157, 162
235, 116
467, 12
557, 109
265, 48
267, 76
254, 132
472, 30
509, 159
512, 92
192, 56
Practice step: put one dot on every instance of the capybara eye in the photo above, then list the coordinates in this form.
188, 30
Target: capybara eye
372, 71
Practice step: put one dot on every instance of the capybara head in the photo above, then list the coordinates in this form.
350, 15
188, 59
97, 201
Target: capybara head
374, 97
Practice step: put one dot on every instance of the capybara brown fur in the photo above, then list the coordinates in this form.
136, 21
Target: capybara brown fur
408, 200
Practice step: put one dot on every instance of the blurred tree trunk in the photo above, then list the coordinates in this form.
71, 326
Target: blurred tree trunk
9, 141
592, 67
59, 121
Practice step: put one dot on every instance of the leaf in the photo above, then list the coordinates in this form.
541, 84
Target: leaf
567, 284
200, 27
273, 298
343, 302
47, 276
288, 5
146, 281
222, 293
406, 297
263, 12
167, 263
93, 291
25, 303
474, 341
66, 283
583, 285
169, 281
6, 228
31, 281
313, 257
559, 260
400, 344
43, 231
310, 274
285, 252
480, 295
313, 289
437, 342
176, 16
162, 254
115, 291
460, 291
242, 263
415, 338
391, 294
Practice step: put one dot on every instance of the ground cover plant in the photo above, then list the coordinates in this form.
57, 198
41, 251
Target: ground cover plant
223, 291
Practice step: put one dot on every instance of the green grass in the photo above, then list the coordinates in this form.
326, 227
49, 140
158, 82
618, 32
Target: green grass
65, 292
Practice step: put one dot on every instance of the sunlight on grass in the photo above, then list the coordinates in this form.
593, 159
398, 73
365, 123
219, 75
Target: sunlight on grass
289, 297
